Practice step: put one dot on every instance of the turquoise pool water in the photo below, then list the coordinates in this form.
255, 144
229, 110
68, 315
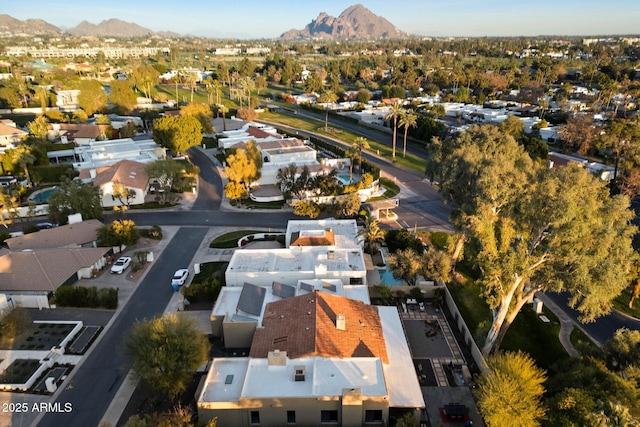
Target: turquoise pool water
387, 278
344, 179
41, 196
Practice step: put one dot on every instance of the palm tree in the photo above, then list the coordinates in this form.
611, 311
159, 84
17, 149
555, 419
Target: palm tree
247, 85
351, 153
23, 157
371, 232
361, 143
327, 97
223, 109
396, 110
407, 119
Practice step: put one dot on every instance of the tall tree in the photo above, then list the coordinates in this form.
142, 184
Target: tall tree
394, 114
165, 352
177, 133
201, 112
621, 139
23, 156
360, 143
407, 119
372, 233
511, 391
92, 97
122, 96
165, 172
39, 127
534, 230
243, 166
327, 98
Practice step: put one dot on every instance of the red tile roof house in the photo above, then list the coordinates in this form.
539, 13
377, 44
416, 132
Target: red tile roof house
37, 264
126, 172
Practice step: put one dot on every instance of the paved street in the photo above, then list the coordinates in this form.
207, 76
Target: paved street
95, 381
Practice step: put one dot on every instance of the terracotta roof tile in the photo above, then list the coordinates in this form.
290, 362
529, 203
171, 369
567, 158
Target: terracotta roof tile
306, 326
127, 172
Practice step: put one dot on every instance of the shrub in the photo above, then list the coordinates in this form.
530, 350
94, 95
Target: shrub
155, 232
51, 173
206, 291
69, 296
30, 228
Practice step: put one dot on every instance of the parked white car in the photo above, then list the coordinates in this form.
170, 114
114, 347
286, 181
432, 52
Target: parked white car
179, 277
121, 265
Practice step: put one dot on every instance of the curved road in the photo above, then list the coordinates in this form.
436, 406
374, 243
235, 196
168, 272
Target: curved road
96, 380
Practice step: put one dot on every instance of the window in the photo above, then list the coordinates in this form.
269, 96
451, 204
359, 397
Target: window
255, 417
291, 417
373, 416
328, 416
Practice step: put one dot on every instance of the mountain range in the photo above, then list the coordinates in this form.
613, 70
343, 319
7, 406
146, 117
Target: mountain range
356, 22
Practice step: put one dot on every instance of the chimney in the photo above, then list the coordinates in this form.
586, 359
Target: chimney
92, 173
341, 323
277, 358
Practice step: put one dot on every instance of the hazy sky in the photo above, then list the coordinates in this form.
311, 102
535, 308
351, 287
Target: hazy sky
269, 19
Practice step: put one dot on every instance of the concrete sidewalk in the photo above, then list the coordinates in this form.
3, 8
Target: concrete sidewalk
566, 324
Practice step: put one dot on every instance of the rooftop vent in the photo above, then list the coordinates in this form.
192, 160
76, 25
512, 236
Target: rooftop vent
341, 322
299, 373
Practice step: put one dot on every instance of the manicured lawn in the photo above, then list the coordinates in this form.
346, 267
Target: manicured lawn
346, 136
621, 303
527, 333
392, 190
230, 240
530, 334
209, 271
582, 342
437, 238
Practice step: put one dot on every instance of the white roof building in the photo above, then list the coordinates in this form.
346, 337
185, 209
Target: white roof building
105, 153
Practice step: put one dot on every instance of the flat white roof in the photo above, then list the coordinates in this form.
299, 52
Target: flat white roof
304, 258
220, 387
402, 382
254, 378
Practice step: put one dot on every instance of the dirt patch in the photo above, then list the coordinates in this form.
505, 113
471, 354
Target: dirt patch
135, 276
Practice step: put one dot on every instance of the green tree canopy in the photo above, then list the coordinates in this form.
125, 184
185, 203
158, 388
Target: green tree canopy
165, 352
531, 229
306, 207
74, 197
122, 96
177, 133
92, 97
510, 392
119, 233
201, 112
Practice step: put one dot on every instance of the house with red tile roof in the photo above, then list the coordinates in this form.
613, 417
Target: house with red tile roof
110, 180
318, 351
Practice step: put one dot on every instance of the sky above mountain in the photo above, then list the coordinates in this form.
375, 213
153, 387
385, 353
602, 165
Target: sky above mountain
269, 19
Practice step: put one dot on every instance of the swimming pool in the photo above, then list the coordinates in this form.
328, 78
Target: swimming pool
344, 179
387, 278
41, 196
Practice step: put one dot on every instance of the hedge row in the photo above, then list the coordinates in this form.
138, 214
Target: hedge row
71, 296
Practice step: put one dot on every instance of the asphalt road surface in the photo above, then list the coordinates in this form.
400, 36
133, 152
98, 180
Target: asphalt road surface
95, 383
603, 328
209, 182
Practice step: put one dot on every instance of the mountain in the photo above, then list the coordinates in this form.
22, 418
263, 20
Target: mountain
9, 24
356, 22
110, 28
